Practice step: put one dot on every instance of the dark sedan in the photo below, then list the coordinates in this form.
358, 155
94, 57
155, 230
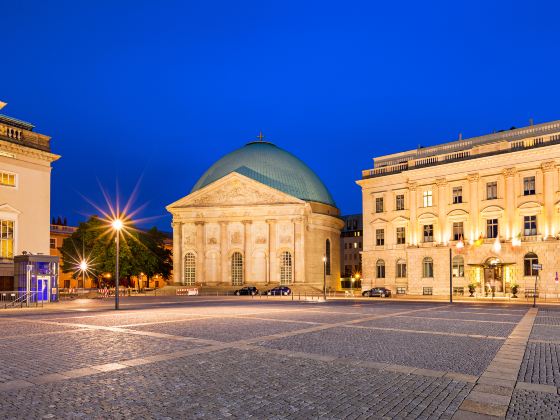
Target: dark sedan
377, 291
247, 291
279, 291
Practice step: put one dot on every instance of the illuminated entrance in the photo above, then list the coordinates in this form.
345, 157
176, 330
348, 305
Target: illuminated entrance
494, 277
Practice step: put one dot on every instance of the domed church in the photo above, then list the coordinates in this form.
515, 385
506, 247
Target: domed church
258, 216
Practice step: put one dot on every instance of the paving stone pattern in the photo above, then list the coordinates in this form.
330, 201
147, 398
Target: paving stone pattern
257, 358
541, 364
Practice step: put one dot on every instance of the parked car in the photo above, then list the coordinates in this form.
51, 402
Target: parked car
279, 291
247, 290
377, 291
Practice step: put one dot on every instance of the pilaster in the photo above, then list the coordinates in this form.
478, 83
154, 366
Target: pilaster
247, 250
223, 252
200, 252
272, 259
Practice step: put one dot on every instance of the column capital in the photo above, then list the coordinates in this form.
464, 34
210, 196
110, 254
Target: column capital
509, 172
246, 222
441, 182
473, 177
548, 166
176, 224
271, 221
223, 223
412, 186
199, 223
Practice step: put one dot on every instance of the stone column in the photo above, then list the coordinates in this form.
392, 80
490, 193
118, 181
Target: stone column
473, 197
272, 260
223, 253
200, 252
247, 249
177, 252
413, 227
548, 171
298, 273
442, 210
510, 222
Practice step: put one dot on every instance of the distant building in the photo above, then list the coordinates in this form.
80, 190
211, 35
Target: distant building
485, 209
25, 190
59, 232
258, 216
351, 244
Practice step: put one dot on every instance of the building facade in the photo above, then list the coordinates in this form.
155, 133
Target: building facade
258, 216
351, 245
25, 186
58, 233
482, 211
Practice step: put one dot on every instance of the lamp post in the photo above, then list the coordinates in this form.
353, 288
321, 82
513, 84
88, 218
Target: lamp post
83, 269
117, 225
325, 277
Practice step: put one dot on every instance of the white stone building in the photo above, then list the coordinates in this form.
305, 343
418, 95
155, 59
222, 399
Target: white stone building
492, 201
25, 190
259, 216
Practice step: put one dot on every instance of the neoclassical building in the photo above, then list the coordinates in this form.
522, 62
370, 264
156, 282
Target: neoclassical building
258, 216
485, 208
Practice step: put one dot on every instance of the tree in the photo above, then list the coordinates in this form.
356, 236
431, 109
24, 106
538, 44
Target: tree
139, 252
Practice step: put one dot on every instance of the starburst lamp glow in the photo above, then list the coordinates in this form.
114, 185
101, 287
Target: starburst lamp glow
117, 224
83, 265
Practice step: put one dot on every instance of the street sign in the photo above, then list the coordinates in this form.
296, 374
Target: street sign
537, 266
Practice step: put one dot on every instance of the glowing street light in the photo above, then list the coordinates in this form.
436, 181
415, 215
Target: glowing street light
117, 225
83, 269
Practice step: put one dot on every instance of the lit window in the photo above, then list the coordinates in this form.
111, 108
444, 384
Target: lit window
529, 185
427, 268
401, 235
458, 266
237, 269
328, 257
491, 190
53, 243
286, 268
190, 269
355, 245
6, 239
400, 202
457, 195
428, 233
427, 198
7, 179
492, 228
529, 225
379, 237
457, 231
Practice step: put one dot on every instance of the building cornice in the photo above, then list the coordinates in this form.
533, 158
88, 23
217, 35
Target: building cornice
18, 149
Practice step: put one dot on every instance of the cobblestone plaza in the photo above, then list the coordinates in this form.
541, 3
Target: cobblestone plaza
179, 357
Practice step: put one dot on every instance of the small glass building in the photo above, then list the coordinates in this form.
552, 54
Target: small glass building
37, 274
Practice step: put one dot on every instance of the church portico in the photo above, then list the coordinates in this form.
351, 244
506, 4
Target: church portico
239, 230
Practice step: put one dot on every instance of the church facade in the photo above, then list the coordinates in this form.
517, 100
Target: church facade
259, 216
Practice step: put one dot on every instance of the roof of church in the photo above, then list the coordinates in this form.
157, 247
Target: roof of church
270, 165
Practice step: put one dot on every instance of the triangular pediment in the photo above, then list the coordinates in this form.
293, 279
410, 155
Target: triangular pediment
5, 207
235, 190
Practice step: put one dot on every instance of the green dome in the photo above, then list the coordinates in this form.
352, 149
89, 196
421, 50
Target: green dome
268, 164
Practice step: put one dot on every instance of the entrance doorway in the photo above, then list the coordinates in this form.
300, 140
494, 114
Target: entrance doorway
42, 289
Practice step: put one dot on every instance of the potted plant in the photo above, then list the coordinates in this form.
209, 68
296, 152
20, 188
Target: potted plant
472, 289
514, 289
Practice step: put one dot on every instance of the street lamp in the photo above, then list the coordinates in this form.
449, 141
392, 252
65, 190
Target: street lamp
117, 225
83, 269
325, 277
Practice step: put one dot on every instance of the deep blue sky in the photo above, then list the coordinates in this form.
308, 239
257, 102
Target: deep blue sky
164, 88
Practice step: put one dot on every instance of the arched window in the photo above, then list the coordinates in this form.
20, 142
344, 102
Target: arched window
285, 268
458, 266
190, 269
380, 269
328, 257
427, 267
236, 269
401, 269
528, 260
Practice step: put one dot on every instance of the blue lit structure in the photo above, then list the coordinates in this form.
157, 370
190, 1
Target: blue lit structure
37, 274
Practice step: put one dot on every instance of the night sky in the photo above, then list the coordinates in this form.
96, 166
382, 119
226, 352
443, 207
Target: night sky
160, 90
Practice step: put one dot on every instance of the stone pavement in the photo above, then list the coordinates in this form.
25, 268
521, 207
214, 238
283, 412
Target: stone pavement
245, 358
